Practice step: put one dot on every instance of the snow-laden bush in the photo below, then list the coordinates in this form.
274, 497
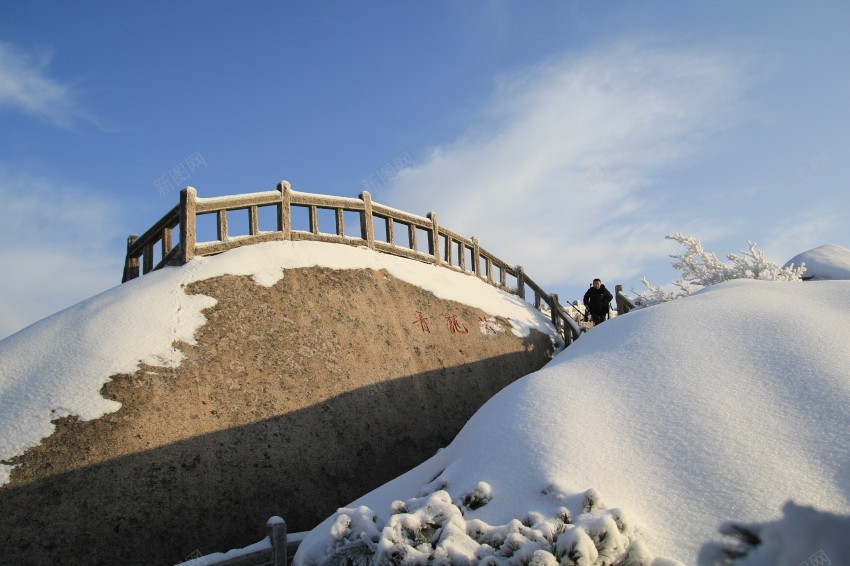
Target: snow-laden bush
701, 269
432, 530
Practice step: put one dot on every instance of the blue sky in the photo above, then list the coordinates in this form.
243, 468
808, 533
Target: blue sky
570, 137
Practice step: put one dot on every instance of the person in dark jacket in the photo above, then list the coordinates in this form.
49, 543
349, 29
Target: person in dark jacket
597, 301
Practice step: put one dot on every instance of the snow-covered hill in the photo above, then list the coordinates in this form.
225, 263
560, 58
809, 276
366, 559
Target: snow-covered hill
637, 441
656, 427
57, 366
182, 409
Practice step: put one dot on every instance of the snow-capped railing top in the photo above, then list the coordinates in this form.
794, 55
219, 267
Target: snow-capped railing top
401, 234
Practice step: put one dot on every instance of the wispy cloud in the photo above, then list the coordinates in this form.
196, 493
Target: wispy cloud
60, 246
25, 85
562, 169
803, 231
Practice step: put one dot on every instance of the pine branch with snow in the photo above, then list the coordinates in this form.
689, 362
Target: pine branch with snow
701, 268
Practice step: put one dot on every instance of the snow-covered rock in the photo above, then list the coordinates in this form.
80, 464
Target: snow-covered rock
829, 261
57, 366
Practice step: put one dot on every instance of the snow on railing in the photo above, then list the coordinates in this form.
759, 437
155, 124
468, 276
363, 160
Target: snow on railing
403, 234
624, 302
277, 549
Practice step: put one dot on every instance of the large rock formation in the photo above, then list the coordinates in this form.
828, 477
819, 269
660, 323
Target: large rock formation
293, 402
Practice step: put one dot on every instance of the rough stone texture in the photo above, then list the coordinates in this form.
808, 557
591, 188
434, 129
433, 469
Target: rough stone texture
296, 400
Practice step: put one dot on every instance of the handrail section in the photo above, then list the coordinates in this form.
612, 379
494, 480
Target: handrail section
275, 550
425, 239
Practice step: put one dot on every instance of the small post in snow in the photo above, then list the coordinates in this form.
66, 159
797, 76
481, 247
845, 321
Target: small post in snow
520, 281
276, 528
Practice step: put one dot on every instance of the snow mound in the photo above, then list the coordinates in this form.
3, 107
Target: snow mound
57, 366
720, 405
829, 261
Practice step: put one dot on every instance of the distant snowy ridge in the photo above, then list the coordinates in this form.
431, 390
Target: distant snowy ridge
57, 366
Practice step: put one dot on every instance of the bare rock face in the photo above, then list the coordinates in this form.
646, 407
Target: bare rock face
297, 399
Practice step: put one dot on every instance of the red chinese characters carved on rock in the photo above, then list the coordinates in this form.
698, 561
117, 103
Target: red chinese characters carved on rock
454, 326
422, 321
486, 326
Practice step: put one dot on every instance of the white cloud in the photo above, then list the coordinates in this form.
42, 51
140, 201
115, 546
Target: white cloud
59, 246
562, 169
25, 85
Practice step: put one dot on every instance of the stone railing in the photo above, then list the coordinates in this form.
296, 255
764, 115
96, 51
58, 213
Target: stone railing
398, 233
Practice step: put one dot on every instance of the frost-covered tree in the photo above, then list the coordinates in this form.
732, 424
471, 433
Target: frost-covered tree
701, 268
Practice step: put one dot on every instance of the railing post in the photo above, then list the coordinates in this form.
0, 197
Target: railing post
221, 216
166, 241
187, 224
367, 227
131, 264
276, 528
340, 222
520, 281
390, 230
434, 244
476, 256
411, 236
253, 221
147, 259
314, 218
553, 311
623, 305
284, 219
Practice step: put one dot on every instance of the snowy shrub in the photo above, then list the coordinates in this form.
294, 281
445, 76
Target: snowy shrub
701, 269
655, 295
575, 547
411, 537
607, 538
353, 536
636, 555
592, 501
565, 516
431, 530
478, 497
542, 558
